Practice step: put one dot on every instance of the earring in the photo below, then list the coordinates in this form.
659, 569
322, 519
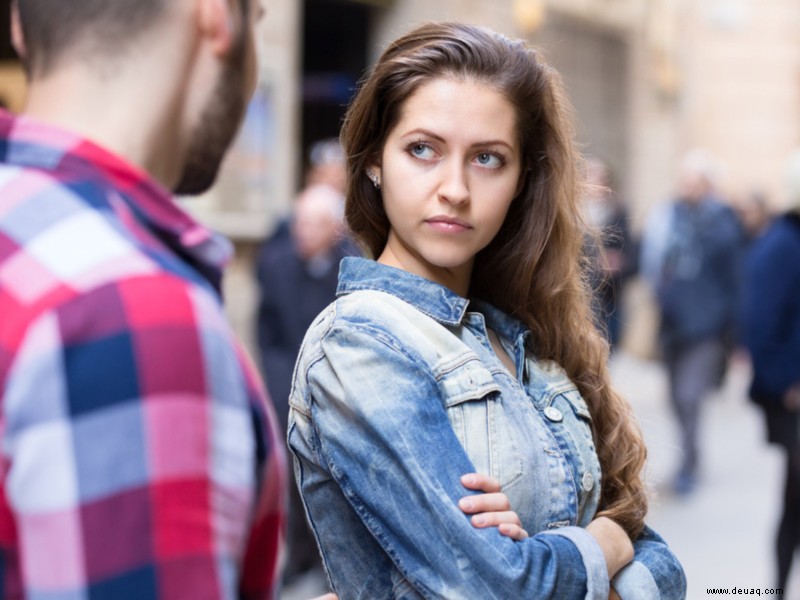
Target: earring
374, 179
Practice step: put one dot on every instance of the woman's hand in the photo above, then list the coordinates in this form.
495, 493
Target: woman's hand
492, 508
614, 542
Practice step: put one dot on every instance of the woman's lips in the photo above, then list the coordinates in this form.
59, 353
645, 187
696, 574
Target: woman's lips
448, 224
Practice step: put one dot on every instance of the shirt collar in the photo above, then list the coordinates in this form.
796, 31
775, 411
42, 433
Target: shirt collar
27, 143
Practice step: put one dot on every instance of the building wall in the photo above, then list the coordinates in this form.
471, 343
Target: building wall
593, 63
742, 95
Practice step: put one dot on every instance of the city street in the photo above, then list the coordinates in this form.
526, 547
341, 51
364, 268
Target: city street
723, 532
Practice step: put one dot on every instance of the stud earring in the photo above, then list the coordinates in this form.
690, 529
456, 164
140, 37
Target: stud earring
374, 179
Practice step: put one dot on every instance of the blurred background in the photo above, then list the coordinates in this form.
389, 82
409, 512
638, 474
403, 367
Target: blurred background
650, 80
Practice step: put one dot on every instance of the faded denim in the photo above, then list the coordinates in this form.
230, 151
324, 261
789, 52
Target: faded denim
396, 394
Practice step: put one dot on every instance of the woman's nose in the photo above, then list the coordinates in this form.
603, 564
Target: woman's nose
454, 187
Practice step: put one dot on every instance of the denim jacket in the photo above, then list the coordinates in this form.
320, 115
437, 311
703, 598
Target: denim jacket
397, 393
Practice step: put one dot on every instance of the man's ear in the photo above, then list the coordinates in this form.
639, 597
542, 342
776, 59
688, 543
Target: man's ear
217, 23
17, 37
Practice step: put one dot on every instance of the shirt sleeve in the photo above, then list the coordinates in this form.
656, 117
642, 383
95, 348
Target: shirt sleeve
654, 573
382, 432
129, 448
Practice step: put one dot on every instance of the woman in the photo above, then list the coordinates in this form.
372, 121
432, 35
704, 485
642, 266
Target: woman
468, 345
771, 333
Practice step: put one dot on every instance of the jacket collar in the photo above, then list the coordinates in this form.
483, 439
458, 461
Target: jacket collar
433, 299
430, 298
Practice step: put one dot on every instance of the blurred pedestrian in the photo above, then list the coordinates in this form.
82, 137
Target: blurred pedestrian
326, 166
771, 333
610, 247
139, 456
297, 278
754, 213
691, 250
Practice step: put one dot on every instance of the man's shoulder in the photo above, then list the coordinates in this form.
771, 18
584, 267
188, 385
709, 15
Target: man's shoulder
59, 244
61, 239
278, 255
777, 245
66, 253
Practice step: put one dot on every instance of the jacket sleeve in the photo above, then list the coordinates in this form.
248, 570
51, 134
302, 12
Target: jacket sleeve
396, 438
654, 573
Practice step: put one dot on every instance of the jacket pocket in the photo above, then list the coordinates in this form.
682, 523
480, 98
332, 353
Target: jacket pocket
480, 420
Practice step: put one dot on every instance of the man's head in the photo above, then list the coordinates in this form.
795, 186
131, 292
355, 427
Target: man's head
698, 175
221, 116
61, 31
200, 90
318, 220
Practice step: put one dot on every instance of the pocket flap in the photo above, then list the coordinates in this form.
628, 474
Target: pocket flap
469, 381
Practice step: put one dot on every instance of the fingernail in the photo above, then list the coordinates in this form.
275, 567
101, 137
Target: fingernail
465, 504
479, 520
468, 479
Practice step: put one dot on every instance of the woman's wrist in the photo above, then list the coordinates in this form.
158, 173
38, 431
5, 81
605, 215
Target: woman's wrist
614, 542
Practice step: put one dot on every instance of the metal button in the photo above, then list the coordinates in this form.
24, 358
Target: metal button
552, 413
587, 481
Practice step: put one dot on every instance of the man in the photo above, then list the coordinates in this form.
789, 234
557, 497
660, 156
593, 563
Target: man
306, 263
770, 331
691, 256
139, 456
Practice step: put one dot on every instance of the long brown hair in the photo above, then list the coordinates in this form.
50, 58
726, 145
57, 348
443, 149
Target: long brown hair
534, 267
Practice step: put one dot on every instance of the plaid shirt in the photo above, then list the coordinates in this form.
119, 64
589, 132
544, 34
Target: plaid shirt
139, 456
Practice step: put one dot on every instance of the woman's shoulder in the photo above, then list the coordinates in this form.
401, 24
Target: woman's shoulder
377, 320
368, 312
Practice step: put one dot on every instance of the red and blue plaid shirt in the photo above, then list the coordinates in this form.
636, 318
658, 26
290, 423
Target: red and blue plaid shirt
139, 457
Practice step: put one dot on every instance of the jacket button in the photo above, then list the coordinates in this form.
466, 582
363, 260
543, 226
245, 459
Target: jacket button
588, 481
552, 413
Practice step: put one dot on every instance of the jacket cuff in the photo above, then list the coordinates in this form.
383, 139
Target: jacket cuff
635, 582
597, 583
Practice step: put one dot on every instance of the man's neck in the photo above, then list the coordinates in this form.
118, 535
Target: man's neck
132, 112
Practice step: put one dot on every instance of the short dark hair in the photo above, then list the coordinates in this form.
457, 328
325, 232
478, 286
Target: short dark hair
53, 28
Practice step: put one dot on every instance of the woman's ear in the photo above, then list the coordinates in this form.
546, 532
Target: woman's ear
373, 172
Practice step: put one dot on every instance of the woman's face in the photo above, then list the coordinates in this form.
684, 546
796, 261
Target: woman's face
449, 170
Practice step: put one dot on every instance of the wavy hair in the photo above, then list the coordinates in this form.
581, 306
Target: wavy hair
534, 269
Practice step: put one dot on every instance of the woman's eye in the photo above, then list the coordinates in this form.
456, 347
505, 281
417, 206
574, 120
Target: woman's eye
422, 151
489, 160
